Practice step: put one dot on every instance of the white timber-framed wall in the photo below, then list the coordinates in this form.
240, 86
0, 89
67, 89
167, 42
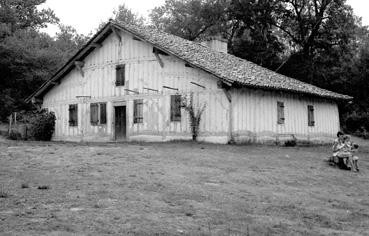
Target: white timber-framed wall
253, 116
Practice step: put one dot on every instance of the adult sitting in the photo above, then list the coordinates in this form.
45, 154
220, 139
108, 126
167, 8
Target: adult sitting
342, 152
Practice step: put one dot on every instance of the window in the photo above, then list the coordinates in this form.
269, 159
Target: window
280, 113
73, 115
311, 121
175, 108
138, 111
120, 72
98, 113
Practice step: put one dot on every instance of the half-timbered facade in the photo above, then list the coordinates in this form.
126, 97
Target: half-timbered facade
127, 84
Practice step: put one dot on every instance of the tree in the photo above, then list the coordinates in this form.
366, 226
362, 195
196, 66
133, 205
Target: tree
252, 35
126, 15
190, 19
20, 14
321, 36
247, 25
28, 57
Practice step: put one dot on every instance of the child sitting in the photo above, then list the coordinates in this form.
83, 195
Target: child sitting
347, 150
355, 159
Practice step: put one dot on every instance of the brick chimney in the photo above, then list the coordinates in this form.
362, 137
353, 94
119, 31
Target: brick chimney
216, 43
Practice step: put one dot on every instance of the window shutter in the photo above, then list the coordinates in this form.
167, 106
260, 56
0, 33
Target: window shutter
102, 113
70, 115
311, 121
280, 112
175, 107
120, 75
94, 113
73, 115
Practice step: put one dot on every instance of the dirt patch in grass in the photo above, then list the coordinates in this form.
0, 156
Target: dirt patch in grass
178, 189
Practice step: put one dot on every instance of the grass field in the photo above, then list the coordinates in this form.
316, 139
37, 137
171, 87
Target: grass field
178, 189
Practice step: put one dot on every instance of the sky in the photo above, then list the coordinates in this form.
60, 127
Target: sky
86, 15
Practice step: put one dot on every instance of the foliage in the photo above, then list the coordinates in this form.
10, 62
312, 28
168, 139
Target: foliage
14, 135
27, 56
194, 113
41, 124
290, 143
358, 124
252, 35
20, 14
190, 19
126, 15
247, 25
320, 42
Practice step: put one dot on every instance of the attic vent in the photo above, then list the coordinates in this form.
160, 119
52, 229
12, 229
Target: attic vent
158, 51
188, 65
137, 39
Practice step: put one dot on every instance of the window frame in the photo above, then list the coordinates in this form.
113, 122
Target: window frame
120, 75
281, 118
100, 119
175, 108
73, 115
311, 115
138, 111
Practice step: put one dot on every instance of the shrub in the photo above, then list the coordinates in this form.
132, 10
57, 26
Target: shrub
42, 125
14, 135
290, 143
357, 124
34, 125
195, 114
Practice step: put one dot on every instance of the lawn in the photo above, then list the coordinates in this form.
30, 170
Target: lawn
178, 189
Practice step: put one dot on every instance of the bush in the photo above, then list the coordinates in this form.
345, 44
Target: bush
357, 124
34, 125
14, 135
290, 143
42, 125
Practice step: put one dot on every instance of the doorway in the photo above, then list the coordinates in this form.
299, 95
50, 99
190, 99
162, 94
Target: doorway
120, 123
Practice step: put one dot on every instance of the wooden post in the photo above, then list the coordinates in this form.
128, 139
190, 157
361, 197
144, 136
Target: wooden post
230, 117
10, 123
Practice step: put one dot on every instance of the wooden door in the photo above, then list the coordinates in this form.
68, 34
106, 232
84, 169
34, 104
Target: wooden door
120, 123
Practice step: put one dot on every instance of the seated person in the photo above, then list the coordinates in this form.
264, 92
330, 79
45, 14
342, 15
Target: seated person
337, 146
346, 152
343, 150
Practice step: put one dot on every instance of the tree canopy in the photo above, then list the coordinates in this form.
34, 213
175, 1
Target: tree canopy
317, 41
27, 56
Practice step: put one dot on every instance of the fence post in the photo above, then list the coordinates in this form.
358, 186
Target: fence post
10, 123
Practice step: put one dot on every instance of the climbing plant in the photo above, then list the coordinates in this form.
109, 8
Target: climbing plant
195, 113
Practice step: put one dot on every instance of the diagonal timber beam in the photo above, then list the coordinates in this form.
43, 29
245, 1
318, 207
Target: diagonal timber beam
79, 65
161, 63
117, 34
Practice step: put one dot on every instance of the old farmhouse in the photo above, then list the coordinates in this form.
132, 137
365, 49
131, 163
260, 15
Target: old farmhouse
127, 81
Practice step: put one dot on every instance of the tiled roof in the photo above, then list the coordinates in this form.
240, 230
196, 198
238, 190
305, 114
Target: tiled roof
227, 67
